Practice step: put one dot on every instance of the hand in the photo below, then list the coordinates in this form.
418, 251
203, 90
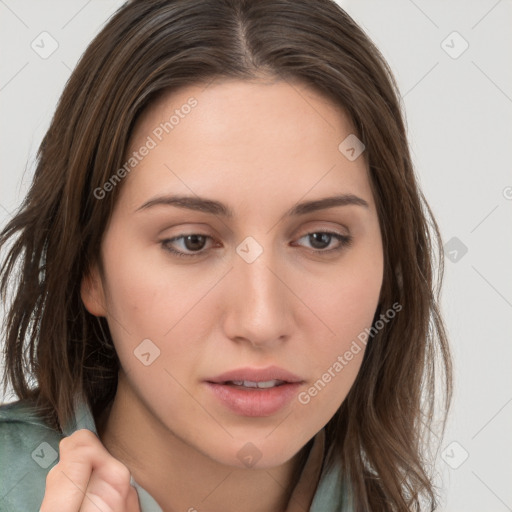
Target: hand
88, 479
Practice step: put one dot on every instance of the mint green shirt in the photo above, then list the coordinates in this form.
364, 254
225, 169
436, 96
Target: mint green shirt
29, 449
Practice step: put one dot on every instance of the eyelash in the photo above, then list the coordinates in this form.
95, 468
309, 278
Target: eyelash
345, 241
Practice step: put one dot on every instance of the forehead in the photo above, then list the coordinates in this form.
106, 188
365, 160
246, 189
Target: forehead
254, 137
255, 110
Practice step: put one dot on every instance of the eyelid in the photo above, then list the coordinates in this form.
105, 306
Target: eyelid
344, 241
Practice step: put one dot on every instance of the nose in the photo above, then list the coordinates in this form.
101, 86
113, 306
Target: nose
259, 304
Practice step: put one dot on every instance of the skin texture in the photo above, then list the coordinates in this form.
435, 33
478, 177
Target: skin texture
260, 148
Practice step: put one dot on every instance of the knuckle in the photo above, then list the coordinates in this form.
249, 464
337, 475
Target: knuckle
120, 476
64, 443
52, 474
79, 439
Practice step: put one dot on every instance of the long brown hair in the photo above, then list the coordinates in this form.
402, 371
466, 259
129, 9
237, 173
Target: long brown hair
380, 434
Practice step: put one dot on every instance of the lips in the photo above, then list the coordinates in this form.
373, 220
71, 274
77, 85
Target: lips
254, 392
256, 375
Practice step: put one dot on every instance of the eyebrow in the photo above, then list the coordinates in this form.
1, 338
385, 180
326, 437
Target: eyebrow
205, 205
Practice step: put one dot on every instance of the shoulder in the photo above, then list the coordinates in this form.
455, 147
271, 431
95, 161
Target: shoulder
28, 450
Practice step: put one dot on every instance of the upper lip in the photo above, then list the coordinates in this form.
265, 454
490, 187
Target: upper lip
256, 375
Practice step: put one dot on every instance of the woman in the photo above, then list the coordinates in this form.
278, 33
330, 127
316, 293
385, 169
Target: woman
226, 285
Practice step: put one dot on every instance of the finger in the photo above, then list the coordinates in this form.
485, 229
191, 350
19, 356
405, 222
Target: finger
109, 488
100, 496
82, 455
67, 481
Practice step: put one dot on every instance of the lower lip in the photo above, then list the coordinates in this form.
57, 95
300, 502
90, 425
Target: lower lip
254, 401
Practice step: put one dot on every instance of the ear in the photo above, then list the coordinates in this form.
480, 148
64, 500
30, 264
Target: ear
92, 293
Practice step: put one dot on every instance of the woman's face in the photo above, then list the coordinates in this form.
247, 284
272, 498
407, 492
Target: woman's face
257, 284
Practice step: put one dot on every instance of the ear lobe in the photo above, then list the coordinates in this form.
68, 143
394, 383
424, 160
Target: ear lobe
91, 292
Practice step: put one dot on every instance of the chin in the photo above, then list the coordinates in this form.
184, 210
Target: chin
254, 452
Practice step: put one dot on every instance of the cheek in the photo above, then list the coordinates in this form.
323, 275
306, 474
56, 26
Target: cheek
345, 300
147, 294
150, 299
346, 305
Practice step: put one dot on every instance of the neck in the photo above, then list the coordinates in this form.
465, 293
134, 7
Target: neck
177, 475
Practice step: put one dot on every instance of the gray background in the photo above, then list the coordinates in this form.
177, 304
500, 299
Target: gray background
459, 113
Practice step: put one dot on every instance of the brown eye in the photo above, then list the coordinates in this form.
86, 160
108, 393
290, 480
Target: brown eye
193, 242
320, 240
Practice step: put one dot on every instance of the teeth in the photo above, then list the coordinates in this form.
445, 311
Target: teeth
262, 385
269, 383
